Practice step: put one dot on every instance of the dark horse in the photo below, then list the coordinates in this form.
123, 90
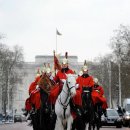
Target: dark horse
47, 114
88, 107
97, 116
44, 118
34, 117
87, 116
91, 114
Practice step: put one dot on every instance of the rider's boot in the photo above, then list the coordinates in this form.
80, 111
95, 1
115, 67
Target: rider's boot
25, 113
76, 108
52, 110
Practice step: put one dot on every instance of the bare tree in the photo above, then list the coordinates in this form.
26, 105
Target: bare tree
11, 61
120, 44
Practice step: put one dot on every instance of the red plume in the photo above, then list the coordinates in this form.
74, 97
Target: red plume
56, 63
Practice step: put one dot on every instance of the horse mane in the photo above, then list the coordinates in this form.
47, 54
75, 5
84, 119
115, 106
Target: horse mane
45, 83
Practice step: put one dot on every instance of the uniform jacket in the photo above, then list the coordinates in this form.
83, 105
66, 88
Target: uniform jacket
84, 82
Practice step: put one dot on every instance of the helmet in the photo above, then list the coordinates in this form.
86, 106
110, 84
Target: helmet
80, 73
38, 73
65, 61
48, 69
43, 69
95, 80
85, 67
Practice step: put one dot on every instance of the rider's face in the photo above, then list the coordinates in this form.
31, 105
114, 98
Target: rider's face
49, 74
64, 66
85, 72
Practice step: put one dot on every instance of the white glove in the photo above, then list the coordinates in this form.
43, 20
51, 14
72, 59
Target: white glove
37, 87
51, 77
77, 86
63, 80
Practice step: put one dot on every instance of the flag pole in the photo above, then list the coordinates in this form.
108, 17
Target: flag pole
54, 62
56, 40
57, 33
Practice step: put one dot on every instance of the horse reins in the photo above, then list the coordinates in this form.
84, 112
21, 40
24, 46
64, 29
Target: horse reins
68, 96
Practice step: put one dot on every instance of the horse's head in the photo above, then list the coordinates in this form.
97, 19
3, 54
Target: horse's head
71, 82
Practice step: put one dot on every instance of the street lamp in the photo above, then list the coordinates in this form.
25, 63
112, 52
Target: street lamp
110, 95
119, 70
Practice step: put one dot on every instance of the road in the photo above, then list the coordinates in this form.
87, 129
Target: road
15, 126
23, 126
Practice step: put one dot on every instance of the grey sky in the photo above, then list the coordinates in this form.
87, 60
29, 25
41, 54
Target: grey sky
86, 25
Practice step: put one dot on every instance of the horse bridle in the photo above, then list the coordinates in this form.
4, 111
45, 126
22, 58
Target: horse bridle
69, 89
63, 104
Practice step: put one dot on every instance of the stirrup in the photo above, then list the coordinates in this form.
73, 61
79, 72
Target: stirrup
78, 112
96, 114
52, 113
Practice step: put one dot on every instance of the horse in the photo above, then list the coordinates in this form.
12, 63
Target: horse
99, 103
32, 110
47, 115
87, 116
97, 116
92, 112
40, 109
62, 106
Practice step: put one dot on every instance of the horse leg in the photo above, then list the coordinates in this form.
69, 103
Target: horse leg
69, 122
34, 121
42, 120
91, 126
91, 123
52, 121
58, 125
78, 124
38, 119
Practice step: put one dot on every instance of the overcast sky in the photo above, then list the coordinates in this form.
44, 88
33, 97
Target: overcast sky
86, 25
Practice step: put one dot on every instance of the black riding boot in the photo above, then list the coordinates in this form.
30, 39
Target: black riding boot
25, 113
52, 110
76, 108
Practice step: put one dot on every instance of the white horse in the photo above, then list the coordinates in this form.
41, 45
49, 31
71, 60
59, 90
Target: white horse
62, 107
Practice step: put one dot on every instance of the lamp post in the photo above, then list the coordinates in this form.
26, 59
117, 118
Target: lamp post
8, 95
110, 95
119, 69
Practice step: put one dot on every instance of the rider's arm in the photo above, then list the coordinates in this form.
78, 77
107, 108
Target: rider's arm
31, 87
71, 71
78, 84
56, 78
91, 82
101, 91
